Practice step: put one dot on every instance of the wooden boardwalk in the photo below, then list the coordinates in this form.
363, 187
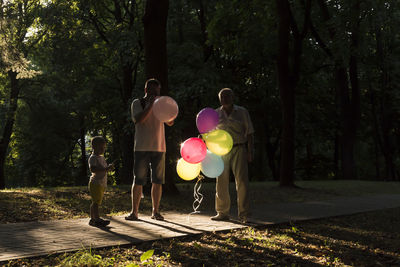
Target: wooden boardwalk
19, 240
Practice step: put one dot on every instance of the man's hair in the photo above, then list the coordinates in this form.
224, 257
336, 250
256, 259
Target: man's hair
225, 90
152, 83
97, 140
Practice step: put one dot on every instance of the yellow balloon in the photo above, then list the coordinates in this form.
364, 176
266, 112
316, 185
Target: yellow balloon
218, 142
187, 171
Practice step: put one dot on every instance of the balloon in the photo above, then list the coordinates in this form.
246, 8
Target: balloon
219, 142
212, 166
165, 108
187, 171
193, 150
207, 120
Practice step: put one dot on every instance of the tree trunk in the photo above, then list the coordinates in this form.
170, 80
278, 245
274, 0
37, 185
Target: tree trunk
347, 136
9, 124
155, 41
348, 98
385, 124
377, 134
287, 96
287, 80
126, 172
156, 65
82, 144
271, 149
207, 50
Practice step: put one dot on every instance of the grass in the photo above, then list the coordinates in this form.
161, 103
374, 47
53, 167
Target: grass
73, 202
365, 239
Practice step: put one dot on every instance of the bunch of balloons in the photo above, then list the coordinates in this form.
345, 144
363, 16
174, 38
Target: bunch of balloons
204, 154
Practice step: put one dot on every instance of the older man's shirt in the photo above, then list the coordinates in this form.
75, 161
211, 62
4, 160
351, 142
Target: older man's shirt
238, 124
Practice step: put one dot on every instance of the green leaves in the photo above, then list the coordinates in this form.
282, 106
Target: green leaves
146, 255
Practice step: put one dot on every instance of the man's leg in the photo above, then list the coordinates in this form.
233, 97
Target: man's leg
136, 195
240, 171
222, 197
157, 180
140, 170
156, 192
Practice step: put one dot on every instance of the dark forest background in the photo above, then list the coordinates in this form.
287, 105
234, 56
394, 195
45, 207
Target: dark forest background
320, 79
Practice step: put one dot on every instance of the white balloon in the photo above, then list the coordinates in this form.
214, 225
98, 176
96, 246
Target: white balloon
165, 108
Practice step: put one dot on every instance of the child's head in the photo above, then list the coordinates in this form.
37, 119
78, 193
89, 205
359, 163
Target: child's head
98, 145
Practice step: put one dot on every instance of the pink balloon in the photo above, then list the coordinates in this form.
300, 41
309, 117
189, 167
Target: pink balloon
193, 150
207, 120
165, 108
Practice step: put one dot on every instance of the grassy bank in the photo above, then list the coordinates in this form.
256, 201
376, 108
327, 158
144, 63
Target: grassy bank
366, 239
31, 204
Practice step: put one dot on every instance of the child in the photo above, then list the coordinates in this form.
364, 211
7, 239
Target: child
98, 180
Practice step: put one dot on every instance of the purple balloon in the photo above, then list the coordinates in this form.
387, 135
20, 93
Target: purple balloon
207, 120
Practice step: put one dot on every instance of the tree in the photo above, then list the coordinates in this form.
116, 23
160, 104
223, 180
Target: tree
382, 83
288, 76
156, 66
348, 97
117, 25
16, 17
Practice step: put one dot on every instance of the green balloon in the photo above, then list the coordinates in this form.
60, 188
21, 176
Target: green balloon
218, 142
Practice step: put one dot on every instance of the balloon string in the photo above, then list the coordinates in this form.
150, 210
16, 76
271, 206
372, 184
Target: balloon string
198, 197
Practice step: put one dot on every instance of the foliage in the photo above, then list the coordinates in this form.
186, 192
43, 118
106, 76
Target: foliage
81, 63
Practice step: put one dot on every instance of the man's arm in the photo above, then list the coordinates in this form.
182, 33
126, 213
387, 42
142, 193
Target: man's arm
142, 115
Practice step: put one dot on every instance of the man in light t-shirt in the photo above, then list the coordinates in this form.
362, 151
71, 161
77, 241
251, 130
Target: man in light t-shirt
149, 150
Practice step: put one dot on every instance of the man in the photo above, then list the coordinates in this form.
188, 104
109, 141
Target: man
236, 121
149, 150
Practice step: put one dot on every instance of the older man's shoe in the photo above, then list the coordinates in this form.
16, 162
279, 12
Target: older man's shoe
243, 219
220, 217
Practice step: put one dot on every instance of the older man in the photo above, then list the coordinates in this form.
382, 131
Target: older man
236, 121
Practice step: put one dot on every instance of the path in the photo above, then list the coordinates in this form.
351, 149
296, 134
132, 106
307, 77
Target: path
18, 240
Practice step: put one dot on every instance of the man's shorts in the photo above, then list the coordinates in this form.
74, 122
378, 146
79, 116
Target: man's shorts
96, 192
145, 160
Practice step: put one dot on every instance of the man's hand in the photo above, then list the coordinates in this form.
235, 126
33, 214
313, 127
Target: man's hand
151, 100
249, 156
170, 123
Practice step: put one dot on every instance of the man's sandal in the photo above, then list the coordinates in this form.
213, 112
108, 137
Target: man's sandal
131, 217
157, 216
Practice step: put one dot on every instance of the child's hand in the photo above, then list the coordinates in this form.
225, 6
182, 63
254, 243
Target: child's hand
110, 167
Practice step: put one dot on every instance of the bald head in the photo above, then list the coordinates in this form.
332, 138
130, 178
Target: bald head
226, 97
